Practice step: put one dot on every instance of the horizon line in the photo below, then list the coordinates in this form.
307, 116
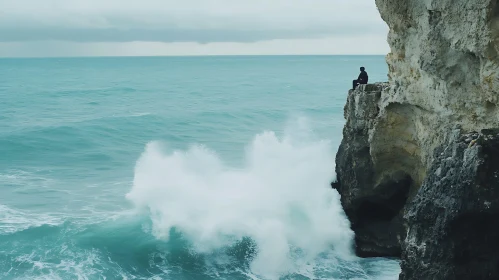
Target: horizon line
182, 56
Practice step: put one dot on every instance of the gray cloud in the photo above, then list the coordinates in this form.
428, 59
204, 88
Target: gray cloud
202, 21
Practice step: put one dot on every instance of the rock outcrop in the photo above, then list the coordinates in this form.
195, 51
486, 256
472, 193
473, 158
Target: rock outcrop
453, 221
409, 184
373, 206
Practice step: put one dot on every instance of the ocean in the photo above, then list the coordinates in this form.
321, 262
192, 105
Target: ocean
176, 168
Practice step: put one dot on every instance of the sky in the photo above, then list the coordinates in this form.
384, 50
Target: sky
46, 28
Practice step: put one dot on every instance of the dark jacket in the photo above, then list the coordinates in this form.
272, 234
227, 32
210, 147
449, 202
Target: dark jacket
363, 78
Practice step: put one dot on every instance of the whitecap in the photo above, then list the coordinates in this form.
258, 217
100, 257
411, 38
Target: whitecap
281, 199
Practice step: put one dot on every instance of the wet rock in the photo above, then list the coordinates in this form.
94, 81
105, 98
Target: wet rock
453, 221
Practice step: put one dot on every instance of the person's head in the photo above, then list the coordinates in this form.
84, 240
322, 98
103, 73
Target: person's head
362, 69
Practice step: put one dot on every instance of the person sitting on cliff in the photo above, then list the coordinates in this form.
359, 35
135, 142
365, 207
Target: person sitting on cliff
362, 79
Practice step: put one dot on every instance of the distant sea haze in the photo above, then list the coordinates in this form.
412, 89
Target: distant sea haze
177, 168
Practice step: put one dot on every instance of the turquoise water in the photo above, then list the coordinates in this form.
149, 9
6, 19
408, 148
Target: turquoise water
176, 168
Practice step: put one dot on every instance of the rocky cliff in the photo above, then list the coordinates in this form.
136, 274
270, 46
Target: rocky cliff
372, 205
417, 168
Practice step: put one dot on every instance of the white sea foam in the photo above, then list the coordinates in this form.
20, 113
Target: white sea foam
281, 199
140, 114
12, 220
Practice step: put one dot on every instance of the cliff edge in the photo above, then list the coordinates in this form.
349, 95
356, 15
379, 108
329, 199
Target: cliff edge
417, 169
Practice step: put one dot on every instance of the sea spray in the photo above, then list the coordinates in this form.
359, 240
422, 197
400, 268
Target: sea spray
280, 199
70, 139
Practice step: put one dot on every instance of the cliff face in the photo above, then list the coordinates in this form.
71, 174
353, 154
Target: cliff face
444, 73
443, 70
453, 222
372, 207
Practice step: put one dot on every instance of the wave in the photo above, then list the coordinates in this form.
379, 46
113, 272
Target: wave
280, 200
12, 220
197, 217
125, 249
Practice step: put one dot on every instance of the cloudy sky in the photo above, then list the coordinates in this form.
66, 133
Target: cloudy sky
189, 27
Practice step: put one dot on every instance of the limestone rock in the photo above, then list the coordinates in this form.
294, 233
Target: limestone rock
443, 74
373, 208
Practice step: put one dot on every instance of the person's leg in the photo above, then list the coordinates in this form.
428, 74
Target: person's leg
354, 84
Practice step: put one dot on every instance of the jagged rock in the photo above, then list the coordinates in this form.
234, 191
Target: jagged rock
443, 72
373, 206
453, 222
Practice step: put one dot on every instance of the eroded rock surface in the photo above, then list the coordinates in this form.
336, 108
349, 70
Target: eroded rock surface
443, 72
453, 222
374, 209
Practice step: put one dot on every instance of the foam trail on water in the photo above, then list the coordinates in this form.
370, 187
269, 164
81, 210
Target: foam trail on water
12, 220
281, 199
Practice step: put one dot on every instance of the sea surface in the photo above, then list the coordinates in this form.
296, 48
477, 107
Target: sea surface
176, 168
